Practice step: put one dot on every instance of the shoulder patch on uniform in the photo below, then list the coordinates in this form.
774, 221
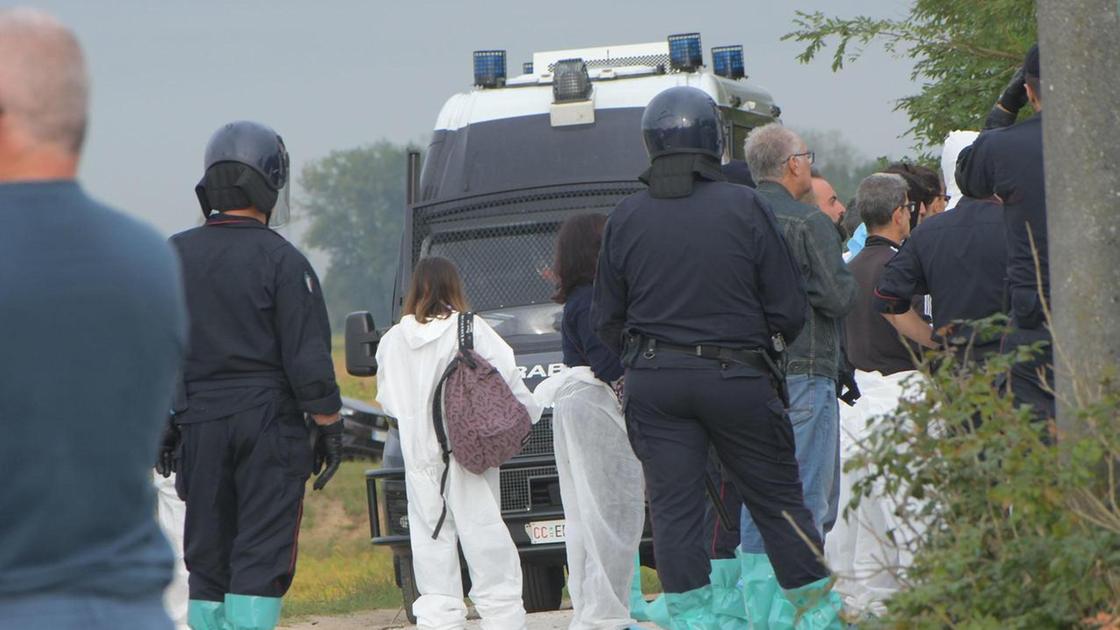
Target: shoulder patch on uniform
309, 282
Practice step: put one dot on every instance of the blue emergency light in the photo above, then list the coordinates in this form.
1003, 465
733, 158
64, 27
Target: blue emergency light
684, 52
490, 68
727, 61
527, 67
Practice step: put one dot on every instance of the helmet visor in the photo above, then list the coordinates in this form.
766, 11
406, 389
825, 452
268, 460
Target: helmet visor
282, 212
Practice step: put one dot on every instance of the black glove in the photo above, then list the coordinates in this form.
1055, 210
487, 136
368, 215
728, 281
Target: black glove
168, 459
1013, 98
328, 452
847, 389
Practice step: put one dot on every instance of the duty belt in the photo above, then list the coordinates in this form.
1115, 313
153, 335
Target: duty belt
753, 358
756, 358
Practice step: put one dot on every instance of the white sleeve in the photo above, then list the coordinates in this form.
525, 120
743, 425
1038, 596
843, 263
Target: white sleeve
497, 352
384, 385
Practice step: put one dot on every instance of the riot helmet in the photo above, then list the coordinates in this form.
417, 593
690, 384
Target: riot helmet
682, 119
245, 165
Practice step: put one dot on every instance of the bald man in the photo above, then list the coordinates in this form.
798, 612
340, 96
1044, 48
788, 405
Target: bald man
93, 326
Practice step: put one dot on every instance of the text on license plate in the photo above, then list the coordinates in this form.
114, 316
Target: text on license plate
542, 532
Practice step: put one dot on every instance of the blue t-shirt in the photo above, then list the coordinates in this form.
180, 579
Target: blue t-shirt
93, 331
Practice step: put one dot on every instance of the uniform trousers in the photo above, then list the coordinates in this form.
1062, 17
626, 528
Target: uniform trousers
242, 478
1032, 381
673, 415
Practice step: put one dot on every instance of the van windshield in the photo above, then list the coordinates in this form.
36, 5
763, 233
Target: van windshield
502, 267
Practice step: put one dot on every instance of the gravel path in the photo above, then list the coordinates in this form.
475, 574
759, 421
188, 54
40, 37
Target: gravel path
388, 619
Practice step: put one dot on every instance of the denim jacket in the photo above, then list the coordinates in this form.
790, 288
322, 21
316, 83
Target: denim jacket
815, 244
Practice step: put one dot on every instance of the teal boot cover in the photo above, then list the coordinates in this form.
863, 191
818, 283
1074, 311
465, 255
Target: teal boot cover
658, 612
760, 587
638, 603
691, 610
249, 612
206, 615
727, 594
818, 606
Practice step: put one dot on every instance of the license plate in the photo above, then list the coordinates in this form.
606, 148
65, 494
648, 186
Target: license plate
380, 436
544, 532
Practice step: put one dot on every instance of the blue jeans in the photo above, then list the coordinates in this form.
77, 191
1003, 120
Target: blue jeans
58, 611
815, 414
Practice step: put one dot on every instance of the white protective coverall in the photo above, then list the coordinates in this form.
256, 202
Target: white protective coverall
955, 142
171, 512
859, 550
602, 487
411, 358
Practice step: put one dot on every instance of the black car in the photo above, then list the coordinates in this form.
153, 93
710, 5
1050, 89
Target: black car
366, 429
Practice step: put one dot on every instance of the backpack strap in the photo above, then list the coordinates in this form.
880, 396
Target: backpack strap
441, 435
466, 331
466, 342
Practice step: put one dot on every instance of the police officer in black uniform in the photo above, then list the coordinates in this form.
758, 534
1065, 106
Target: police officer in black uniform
959, 259
258, 360
1007, 162
694, 281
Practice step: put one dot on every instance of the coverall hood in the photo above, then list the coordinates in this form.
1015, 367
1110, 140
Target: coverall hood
417, 335
955, 142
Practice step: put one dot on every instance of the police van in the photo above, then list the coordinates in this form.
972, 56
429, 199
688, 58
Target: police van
509, 160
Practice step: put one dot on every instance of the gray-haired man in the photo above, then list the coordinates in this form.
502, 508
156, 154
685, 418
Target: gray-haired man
873, 343
82, 409
781, 163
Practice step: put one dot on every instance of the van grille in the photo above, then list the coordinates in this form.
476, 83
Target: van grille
517, 486
540, 440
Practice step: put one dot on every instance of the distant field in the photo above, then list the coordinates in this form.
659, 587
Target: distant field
339, 571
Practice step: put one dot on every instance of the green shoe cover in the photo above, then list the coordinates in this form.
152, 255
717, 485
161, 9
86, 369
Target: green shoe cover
818, 606
638, 603
760, 587
691, 610
206, 615
249, 612
727, 596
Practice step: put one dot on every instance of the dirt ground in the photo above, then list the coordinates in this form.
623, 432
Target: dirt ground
386, 619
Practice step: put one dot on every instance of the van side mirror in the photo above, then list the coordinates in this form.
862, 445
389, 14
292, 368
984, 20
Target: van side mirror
361, 344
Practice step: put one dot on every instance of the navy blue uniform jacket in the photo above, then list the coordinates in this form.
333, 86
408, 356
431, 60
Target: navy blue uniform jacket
711, 268
258, 323
1008, 162
959, 258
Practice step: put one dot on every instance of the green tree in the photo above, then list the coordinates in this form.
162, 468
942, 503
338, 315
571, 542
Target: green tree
965, 52
355, 199
839, 161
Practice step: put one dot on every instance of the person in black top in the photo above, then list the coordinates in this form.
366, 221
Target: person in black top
600, 478
1007, 162
694, 279
258, 359
873, 343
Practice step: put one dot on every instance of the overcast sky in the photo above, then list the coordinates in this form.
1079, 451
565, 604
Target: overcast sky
336, 74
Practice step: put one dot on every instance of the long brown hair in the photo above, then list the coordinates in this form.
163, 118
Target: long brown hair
577, 253
435, 290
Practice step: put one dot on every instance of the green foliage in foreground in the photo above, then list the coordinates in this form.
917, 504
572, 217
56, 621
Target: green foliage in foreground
1018, 533
965, 52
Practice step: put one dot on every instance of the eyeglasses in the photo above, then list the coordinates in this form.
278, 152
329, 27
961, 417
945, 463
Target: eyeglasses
807, 155
911, 206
